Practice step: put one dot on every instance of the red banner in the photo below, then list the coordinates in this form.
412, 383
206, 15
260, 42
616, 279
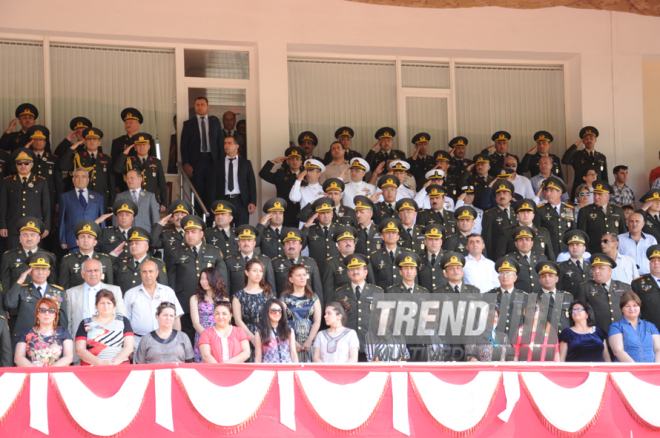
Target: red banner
457, 400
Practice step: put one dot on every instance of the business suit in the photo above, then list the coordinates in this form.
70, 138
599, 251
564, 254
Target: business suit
148, 213
101, 179
202, 163
71, 212
247, 187
153, 176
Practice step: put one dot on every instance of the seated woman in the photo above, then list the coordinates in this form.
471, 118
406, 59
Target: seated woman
632, 339
165, 345
210, 289
584, 342
544, 352
484, 352
337, 344
274, 340
224, 343
45, 344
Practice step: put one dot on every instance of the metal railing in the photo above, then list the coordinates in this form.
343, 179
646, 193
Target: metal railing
189, 193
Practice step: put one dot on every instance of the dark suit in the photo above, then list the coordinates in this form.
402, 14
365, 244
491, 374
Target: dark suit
202, 164
101, 178
247, 187
604, 302
71, 212
17, 202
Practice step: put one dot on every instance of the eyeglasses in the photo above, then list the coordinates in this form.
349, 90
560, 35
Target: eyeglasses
506, 274
583, 194
605, 241
578, 310
273, 310
50, 311
511, 165
23, 163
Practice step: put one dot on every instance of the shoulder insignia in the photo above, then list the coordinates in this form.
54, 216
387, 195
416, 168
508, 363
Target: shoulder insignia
41, 177
101, 253
329, 258
57, 287
641, 276
9, 176
541, 205
25, 284
68, 255
569, 206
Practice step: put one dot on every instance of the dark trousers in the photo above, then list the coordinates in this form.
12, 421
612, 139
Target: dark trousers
203, 180
242, 216
187, 327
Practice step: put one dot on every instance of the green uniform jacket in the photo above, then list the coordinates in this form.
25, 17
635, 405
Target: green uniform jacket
581, 161
557, 225
494, 221
651, 226
342, 216
169, 240
236, 270
17, 201
283, 179
71, 269
367, 243
430, 277
511, 329
153, 176
649, 292
359, 315
215, 237
384, 270
281, 270
382, 211
445, 218
593, 221
528, 279
565, 319
570, 277
13, 265
464, 289
401, 288
111, 237
335, 275
320, 247
49, 167
414, 242
605, 303
506, 243
269, 242
127, 277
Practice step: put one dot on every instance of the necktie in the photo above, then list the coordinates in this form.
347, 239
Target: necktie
293, 261
93, 157
144, 163
29, 253
365, 236
579, 265
224, 234
137, 265
410, 232
410, 290
655, 216
357, 292
558, 209
135, 197
432, 259
85, 257
526, 259
183, 236
125, 235
604, 207
247, 259
591, 155
39, 290
325, 231
230, 175
456, 289
38, 157
81, 198
194, 251
392, 256
24, 181
391, 209
506, 211
277, 231
205, 146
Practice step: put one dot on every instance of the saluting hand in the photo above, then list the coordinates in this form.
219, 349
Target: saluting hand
311, 220
374, 147
102, 218
29, 144
128, 149
76, 144
375, 196
490, 148
11, 126
278, 160
164, 220
117, 251
301, 175
23, 276
264, 220
533, 150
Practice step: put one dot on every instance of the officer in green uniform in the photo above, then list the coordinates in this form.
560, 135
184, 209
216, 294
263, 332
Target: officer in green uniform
650, 210
359, 294
477, 176
530, 161
99, 165
86, 232
408, 262
114, 240
587, 158
648, 289
527, 258
499, 217
187, 263
319, 236
24, 295
575, 270
412, 235
437, 213
452, 263
151, 168
247, 241
525, 210
421, 161
46, 164
511, 317
450, 184
465, 216
601, 217
458, 164
293, 243
383, 260
430, 273
555, 216
172, 238
126, 270
22, 195
368, 238
270, 227
132, 119
222, 234
501, 145
26, 115
603, 293
284, 178
77, 125
341, 215
385, 209
548, 273
385, 137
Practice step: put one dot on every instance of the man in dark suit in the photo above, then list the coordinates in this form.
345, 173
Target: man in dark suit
199, 152
76, 205
229, 130
235, 182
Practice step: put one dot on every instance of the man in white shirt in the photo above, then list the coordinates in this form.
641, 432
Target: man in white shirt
478, 270
435, 177
626, 269
313, 190
335, 169
521, 183
357, 186
635, 243
143, 300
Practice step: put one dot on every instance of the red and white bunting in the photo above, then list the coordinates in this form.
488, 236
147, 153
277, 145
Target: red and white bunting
639, 397
82, 405
247, 398
11, 388
457, 410
359, 400
549, 402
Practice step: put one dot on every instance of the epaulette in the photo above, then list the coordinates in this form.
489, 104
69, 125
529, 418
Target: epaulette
339, 288
69, 255
39, 176
585, 282
541, 205
25, 284
57, 287
9, 176
101, 253
329, 258
110, 227
156, 258
568, 205
641, 276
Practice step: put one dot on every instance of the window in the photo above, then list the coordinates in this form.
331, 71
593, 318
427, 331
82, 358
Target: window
22, 72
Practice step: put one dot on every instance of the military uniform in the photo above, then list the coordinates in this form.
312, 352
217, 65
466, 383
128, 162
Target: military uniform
464, 289
283, 179
71, 269
168, 240
651, 225
479, 183
445, 218
119, 145
320, 247
127, 276
497, 161
236, 271
5, 164
556, 224
215, 237
593, 221
101, 178
542, 243
367, 243
583, 160
570, 276
419, 166
431, 276
401, 288
647, 288
18, 200
495, 220
14, 263
48, 166
281, 267
269, 242
335, 275
514, 318
383, 211
458, 243
153, 175
357, 320
385, 272
566, 301
375, 158
414, 242
13, 141
528, 279
604, 302
111, 238
341, 216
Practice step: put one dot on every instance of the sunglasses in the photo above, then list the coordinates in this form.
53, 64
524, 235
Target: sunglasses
583, 194
44, 310
605, 241
511, 165
577, 310
274, 310
23, 163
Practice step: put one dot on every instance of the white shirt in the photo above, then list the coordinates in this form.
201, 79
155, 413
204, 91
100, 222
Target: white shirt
523, 187
424, 202
231, 162
626, 269
354, 189
480, 273
44, 287
637, 250
89, 309
206, 125
562, 257
141, 308
307, 194
353, 286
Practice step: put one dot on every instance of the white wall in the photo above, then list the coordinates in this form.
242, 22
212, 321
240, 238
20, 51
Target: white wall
604, 50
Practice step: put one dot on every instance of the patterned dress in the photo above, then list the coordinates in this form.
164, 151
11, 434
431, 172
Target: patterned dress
251, 307
44, 350
300, 312
276, 351
205, 310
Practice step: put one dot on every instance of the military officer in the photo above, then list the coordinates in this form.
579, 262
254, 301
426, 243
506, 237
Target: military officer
132, 119
525, 212
501, 145
24, 295
247, 241
114, 240
21, 195
126, 270
87, 233
385, 209
293, 241
588, 158
77, 125
510, 316
26, 115
187, 263
358, 293
575, 270
530, 162
601, 217
153, 175
221, 234
6, 351
451, 182
458, 164
408, 262
436, 178
430, 274
452, 263
603, 293
341, 215
270, 227
385, 137
345, 136
527, 258
650, 210
383, 259
173, 238
357, 184
368, 237
412, 235
437, 214
421, 162
283, 180
555, 216
306, 188
334, 273
308, 141
548, 273
477, 176
319, 236
400, 169
648, 289
499, 217
99, 165
465, 216
46, 164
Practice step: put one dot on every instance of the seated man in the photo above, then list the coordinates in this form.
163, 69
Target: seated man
437, 214
525, 212
452, 263
575, 270
87, 232
412, 235
479, 271
127, 268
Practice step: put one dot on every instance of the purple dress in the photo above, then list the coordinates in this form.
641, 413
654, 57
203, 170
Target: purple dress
205, 309
276, 351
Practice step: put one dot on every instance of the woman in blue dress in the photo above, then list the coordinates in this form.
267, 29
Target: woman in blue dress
583, 342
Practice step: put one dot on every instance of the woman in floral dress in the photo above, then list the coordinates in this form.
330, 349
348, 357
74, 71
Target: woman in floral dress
210, 289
